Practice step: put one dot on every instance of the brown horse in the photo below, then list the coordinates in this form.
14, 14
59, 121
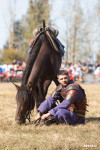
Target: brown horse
41, 69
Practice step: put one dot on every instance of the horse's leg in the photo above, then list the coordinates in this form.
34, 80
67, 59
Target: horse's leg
56, 81
42, 88
46, 86
40, 93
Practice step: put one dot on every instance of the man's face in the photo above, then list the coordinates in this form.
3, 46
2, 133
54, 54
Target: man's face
63, 79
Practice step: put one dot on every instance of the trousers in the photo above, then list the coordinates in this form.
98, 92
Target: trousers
61, 115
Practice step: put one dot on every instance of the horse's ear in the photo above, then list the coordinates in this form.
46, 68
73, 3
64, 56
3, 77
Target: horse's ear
44, 24
17, 86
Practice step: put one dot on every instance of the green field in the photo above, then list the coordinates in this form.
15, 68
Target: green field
54, 137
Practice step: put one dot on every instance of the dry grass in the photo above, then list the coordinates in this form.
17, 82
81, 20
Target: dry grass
54, 137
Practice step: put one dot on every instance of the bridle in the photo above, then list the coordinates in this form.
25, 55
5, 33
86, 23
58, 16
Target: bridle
28, 113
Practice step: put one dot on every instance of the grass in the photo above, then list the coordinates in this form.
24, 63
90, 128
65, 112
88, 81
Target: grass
54, 137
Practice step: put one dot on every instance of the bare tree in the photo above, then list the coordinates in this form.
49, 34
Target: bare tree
74, 23
98, 14
11, 24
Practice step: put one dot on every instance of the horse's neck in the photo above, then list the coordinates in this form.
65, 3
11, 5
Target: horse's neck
38, 64
31, 60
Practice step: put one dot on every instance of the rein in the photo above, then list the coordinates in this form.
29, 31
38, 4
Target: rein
28, 113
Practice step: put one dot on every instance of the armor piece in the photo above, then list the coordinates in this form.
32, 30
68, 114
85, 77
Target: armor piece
56, 91
71, 96
73, 86
70, 93
58, 88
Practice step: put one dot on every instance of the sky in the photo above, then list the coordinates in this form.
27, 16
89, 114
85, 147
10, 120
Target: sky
89, 11
19, 10
58, 10
57, 15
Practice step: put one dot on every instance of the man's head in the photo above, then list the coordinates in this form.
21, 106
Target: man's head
63, 77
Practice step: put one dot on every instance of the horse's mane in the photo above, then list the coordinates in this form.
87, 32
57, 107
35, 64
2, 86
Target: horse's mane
32, 57
23, 93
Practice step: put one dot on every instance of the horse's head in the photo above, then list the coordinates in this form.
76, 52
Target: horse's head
25, 104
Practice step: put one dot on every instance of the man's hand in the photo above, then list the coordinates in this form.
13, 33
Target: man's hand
44, 116
37, 117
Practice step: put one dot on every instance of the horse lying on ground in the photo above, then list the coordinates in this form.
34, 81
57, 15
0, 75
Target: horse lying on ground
42, 67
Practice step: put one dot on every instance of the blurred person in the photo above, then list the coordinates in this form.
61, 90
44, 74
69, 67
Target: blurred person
19, 71
14, 66
62, 66
75, 74
1, 76
96, 65
81, 75
19, 66
69, 70
84, 67
23, 65
97, 72
70, 109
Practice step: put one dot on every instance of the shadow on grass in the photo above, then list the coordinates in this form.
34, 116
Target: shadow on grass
92, 119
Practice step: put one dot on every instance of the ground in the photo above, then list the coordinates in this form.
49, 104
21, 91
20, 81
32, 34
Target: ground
54, 137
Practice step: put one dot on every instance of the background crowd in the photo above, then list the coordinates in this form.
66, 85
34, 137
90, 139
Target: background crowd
12, 72
77, 71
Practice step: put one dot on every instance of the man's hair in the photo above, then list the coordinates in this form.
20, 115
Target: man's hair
62, 72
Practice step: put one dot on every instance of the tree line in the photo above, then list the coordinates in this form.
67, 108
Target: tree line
81, 36
21, 31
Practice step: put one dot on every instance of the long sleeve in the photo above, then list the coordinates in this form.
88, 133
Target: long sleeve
63, 105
